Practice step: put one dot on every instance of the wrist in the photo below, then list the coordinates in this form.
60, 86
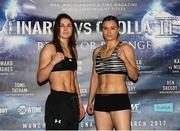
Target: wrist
80, 101
52, 63
90, 101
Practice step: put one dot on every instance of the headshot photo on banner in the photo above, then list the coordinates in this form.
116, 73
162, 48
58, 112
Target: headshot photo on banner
89, 65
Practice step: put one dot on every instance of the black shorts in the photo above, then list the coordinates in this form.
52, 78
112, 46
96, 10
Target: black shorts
111, 102
62, 111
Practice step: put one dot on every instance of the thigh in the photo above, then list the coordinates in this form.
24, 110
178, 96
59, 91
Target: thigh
74, 123
56, 115
121, 119
103, 120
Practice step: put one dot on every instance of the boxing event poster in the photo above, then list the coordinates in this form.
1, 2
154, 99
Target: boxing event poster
151, 27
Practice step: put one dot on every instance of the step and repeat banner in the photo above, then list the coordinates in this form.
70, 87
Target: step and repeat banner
151, 27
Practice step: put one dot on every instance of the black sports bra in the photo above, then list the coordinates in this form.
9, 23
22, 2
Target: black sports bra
66, 64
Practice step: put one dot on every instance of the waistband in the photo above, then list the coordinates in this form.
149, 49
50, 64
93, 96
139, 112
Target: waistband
122, 94
63, 94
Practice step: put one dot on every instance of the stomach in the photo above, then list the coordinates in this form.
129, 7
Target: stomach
112, 84
63, 81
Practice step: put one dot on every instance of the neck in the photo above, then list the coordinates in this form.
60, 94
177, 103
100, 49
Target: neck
64, 43
111, 44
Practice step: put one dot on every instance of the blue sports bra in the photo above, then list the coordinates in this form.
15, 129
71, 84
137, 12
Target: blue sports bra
66, 64
110, 65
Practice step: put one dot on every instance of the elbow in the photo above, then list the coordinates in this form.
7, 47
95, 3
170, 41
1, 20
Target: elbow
39, 79
134, 76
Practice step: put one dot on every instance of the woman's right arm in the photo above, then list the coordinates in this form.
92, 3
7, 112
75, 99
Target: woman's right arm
45, 63
93, 85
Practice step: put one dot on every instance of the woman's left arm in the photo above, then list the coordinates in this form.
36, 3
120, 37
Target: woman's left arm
126, 54
81, 105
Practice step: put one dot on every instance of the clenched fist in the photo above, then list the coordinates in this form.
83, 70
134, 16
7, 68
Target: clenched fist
57, 58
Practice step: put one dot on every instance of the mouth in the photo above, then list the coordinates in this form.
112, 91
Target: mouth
109, 35
65, 33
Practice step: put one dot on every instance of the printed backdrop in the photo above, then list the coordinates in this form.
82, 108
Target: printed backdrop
151, 27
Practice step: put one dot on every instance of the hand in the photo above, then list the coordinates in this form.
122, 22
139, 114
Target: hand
90, 109
58, 58
122, 55
81, 112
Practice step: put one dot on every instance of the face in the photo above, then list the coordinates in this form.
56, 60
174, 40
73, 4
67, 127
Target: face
110, 30
66, 28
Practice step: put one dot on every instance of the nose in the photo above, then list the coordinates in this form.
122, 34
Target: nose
65, 28
109, 31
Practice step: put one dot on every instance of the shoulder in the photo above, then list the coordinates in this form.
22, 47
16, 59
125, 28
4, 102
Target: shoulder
48, 48
96, 50
125, 46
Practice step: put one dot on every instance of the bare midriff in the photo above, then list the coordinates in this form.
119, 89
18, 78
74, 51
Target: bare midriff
63, 81
112, 84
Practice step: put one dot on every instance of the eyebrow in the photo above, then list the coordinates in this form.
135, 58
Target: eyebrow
64, 24
110, 26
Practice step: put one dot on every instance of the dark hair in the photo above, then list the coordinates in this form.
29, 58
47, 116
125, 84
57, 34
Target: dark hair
56, 31
110, 17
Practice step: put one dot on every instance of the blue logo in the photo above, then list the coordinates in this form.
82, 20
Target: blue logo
166, 107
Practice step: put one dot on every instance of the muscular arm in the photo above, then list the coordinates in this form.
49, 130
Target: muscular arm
76, 81
81, 106
94, 79
45, 64
77, 88
126, 53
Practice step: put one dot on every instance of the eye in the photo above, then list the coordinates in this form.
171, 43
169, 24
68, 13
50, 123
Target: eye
104, 28
113, 28
69, 25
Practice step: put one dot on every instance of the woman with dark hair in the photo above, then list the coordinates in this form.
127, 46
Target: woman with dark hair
58, 64
112, 62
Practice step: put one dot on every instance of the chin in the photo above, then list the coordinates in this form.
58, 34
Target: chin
110, 39
65, 37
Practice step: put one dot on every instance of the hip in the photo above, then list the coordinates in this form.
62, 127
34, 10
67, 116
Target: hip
111, 102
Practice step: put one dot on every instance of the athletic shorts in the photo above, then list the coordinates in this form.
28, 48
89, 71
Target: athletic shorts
111, 102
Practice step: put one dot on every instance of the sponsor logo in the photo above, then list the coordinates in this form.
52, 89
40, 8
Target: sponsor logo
58, 121
135, 107
23, 109
3, 110
165, 107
